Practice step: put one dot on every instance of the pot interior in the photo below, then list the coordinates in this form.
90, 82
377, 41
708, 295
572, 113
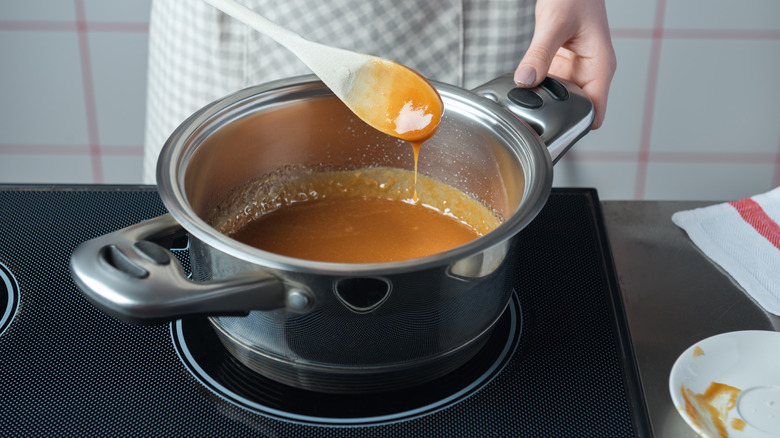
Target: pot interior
480, 149
309, 127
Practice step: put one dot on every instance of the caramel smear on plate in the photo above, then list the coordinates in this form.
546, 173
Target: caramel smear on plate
710, 410
698, 352
738, 424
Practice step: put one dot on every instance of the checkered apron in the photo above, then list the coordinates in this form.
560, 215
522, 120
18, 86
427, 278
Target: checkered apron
197, 54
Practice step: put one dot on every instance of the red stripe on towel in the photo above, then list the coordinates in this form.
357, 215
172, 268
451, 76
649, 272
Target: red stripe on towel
754, 215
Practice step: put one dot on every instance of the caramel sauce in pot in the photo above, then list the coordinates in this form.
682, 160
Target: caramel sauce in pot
357, 216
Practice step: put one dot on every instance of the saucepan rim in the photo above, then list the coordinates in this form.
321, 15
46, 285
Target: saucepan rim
525, 145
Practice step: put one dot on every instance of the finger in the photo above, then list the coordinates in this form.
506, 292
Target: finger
549, 35
598, 95
593, 75
535, 64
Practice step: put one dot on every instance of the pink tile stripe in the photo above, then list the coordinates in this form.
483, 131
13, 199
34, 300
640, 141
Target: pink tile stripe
776, 181
65, 26
89, 93
756, 217
674, 157
697, 34
650, 92
68, 149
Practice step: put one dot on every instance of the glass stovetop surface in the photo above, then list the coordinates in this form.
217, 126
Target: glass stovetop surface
67, 369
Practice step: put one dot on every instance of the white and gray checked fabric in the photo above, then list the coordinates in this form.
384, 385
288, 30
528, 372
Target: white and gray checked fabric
198, 54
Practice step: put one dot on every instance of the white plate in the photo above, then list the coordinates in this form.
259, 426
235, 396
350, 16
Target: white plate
729, 385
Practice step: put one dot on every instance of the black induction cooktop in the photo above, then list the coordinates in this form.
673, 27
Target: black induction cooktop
559, 362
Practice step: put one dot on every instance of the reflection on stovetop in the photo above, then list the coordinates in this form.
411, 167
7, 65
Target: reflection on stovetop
203, 354
9, 297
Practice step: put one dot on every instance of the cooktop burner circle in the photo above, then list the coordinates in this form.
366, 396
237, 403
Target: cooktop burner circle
213, 366
9, 297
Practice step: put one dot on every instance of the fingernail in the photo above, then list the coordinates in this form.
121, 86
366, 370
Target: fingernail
525, 75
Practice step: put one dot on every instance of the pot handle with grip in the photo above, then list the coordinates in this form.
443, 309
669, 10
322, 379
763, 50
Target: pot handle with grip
130, 276
558, 110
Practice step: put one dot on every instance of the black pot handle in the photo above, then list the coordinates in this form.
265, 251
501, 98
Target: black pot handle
132, 277
558, 110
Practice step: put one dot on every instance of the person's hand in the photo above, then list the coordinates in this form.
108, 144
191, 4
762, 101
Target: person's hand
571, 40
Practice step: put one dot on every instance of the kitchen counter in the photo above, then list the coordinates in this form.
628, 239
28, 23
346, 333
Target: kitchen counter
674, 297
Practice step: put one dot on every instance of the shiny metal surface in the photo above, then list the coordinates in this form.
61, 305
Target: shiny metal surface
674, 297
560, 122
298, 122
431, 308
130, 277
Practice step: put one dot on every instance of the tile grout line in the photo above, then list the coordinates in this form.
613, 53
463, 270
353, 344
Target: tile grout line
616, 32
675, 157
68, 149
61, 26
697, 34
723, 34
89, 93
776, 179
651, 89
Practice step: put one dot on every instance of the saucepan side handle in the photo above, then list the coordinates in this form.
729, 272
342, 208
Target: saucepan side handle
558, 110
130, 276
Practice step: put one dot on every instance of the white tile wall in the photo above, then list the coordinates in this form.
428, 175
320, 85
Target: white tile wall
42, 89
714, 15
116, 11
622, 129
693, 111
38, 11
717, 96
120, 91
698, 180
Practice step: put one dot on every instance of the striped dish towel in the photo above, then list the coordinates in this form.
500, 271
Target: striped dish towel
743, 237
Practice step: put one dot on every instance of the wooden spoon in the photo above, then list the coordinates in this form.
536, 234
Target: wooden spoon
388, 96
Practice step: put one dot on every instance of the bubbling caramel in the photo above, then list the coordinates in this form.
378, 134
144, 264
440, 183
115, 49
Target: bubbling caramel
357, 216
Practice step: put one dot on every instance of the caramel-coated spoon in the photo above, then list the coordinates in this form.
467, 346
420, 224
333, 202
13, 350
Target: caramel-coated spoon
388, 96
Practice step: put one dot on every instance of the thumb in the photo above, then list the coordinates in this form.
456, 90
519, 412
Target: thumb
534, 66
537, 59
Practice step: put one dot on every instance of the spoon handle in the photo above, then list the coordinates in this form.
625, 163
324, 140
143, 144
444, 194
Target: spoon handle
240, 12
334, 66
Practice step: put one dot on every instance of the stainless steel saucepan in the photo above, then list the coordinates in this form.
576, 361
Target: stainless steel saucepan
336, 327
